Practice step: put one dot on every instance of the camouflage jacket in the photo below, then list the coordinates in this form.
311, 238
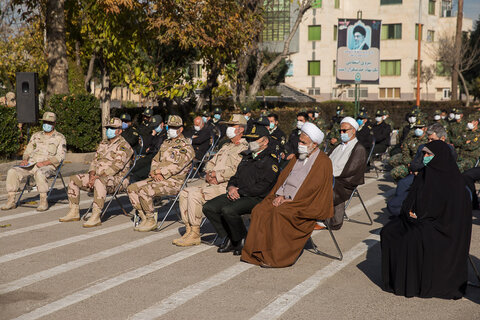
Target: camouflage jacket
470, 147
456, 132
42, 147
410, 146
112, 158
173, 160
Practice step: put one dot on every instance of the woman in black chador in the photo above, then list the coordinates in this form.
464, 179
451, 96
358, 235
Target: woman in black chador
425, 249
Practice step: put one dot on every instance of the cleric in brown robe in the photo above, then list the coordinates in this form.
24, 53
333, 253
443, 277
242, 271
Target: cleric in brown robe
282, 223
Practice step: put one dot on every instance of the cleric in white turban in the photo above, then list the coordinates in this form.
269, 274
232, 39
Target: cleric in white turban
282, 223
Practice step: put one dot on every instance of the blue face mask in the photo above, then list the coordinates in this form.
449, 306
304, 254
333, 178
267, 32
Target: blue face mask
418, 132
110, 133
427, 159
216, 116
47, 127
204, 119
344, 137
124, 125
360, 122
158, 129
272, 125
247, 118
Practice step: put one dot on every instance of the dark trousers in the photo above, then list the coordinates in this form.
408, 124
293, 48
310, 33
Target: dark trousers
336, 222
226, 215
142, 167
470, 177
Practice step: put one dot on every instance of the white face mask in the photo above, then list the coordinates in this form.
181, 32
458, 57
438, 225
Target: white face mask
412, 119
384, 117
470, 126
378, 119
300, 124
254, 146
231, 132
316, 114
197, 128
443, 117
436, 117
451, 116
457, 117
172, 133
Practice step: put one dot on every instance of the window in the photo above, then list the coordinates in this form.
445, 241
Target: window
446, 93
314, 91
441, 69
391, 31
334, 72
337, 4
430, 36
389, 93
314, 68
316, 3
390, 67
195, 70
314, 33
415, 67
335, 32
431, 7
362, 93
277, 20
382, 2
416, 32
446, 8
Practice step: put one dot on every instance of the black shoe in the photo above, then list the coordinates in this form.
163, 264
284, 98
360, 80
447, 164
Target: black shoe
237, 250
226, 246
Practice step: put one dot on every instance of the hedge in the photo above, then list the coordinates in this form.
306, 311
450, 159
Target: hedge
9, 133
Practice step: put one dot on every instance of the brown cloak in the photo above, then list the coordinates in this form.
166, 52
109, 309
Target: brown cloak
277, 235
352, 174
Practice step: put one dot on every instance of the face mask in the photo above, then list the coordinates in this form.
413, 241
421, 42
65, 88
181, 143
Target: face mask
418, 132
316, 114
254, 146
470, 126
216, 116
378, 119
197, 128
247, 118
344, 137
443, 117
436, 118
204, 119
124, 125
384, 117
172, 133
47, 127
457, 117
412, 119
110, 133
338, 112
300, 124
231, 132
427, 159
451, 116
272, 125
360, 122
302, 149
158, 129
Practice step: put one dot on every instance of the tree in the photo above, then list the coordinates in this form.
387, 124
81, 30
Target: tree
456, 54
427, 74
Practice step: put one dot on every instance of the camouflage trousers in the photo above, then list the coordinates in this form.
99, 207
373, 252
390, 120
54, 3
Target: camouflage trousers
466, 163
101, 187
141, 193
395, 160
16, 174
399, 172
192, 199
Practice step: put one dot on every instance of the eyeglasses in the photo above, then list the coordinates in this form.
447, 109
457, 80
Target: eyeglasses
344, 130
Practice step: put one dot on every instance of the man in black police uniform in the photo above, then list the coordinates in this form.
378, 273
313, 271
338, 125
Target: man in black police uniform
364, 132
130, 132
381, 133
291, 147
247, 113
274, 130
256, 175
200, 136
216, 122
144, 128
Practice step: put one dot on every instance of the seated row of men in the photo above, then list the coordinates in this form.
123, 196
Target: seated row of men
243, 177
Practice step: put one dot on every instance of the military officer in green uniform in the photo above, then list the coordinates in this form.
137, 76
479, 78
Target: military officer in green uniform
386, 118
334, 134
409, 149
470, 146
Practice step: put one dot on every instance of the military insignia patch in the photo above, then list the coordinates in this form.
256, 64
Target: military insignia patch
275, 168
135, 133
476, 139
123, 148
183, 151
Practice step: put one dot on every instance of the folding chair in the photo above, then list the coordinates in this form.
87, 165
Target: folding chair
208, 154
58, 173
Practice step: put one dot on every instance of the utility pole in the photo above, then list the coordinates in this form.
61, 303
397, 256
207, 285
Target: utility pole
419, 61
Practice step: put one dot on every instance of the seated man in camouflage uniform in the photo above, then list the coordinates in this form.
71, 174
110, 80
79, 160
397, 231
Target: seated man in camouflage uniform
457, 129
44, 153
218, 170
169, 168
470, 144
110, 165
409, 149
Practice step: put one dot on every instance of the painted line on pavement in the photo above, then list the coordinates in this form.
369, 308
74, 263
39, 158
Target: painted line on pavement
30, 228
63, 242
71, 265
180, 297
111, 283
285, 301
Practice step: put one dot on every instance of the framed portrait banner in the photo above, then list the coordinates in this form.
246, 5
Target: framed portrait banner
358, 51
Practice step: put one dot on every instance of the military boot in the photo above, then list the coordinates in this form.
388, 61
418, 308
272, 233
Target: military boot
143, 219
43, 206
188, 228
10, 202
192, 239
150, 224
72, 215
94, 219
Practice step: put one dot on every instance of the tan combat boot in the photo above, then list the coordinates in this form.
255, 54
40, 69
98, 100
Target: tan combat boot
43, 206
149, 225
143, 219
188, 228
94, 219
10, 202
192, 239
72, 215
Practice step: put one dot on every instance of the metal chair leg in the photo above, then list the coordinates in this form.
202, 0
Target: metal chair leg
356, 193
159, 227
320, 253
23, 190
475, 270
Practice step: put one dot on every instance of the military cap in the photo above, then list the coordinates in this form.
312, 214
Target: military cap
437, 112
125, 117
205, 113
458, 111
420, 123
317, 109
363, 115
339, 108
453, 110
379, 113
49, 117
473, 116
362, 108
236, 119
174, 121
257, 132
115, 123
156, 120
217, 110
148, 112
385, 112
263, 121
245, 110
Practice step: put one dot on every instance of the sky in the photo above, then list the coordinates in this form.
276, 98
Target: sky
471, 9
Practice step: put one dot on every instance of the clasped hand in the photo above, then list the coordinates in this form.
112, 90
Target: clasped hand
279, 201
211, 178
232, 193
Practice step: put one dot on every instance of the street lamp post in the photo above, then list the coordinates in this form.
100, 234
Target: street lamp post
419, 62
